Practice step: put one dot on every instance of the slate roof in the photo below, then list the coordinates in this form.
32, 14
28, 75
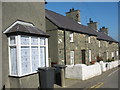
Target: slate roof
71, 25
68, 23
103, 36
27, 30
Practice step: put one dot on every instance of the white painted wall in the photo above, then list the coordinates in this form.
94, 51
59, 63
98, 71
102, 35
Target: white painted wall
91, 71
83, 72
110, 65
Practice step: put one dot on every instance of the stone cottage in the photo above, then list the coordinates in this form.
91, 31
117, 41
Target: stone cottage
24, 43
107, 46
73, 43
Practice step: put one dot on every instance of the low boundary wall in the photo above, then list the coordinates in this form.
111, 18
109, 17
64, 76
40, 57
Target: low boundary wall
83, 72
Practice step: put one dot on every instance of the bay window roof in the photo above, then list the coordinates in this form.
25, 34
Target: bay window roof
24, 29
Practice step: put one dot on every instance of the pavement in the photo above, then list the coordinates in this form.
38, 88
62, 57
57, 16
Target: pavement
108, 79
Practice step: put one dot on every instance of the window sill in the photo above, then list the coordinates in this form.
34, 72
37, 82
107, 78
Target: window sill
22, 75
71, 42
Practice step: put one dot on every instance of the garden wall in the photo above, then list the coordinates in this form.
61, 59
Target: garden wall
83, 72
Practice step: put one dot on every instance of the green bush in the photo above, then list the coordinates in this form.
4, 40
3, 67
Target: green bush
110, 60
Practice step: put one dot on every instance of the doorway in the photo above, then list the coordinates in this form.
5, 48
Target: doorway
83, 57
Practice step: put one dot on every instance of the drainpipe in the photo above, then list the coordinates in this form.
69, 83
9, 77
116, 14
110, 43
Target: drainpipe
64, 47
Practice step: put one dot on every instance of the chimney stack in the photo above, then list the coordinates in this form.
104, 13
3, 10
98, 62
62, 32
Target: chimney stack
104, 30
74, 14
93, 25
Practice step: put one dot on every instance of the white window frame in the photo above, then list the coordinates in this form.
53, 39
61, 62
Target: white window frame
90, 56
117, 53
72, 57
112, 54
71, 36
18, 50
99, 43
89, 41
99, 54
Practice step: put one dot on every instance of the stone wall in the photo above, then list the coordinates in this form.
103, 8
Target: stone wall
80, 42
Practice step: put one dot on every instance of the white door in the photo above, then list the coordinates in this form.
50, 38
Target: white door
72, 57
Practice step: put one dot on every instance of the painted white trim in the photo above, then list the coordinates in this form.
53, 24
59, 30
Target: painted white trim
72, 57
98, 43
39, 50
117, 53
18, 50
19, 55
89, 39
30, 54
112, 54
90, 56
47, 62
9, 55
18, 22
71, 37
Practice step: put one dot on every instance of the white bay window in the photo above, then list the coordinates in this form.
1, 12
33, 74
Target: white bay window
26, 54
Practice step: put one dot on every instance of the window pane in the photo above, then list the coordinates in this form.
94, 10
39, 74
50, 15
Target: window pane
13, 58
24, 40
42, 56
71, 36
42, 41
90, 56
12, 40
35, 58
71, 57
34, 41
25, 59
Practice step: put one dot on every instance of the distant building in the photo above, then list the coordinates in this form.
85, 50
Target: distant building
73, 43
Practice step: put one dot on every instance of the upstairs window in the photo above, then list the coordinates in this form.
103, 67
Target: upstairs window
117, 53
89, 40
112, 54
71, 36
26, 54
99, 43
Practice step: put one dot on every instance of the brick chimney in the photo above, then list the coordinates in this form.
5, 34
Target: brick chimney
74, 14
93, 25
104, 30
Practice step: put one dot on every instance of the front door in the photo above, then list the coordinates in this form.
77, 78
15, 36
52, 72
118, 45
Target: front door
83, 57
